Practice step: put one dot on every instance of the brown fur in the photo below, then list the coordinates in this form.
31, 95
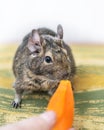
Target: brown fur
41, 61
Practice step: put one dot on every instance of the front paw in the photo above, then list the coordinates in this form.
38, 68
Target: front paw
16, 104
51, 91
53, 88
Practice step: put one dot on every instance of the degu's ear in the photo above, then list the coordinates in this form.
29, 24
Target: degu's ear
60, 31
34, 41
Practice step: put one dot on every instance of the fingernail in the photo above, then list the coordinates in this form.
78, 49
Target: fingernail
49, 116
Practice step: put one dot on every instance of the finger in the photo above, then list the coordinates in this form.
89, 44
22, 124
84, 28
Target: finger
43, 122
71, 129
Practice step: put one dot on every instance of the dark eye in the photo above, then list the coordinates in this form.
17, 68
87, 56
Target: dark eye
48, 59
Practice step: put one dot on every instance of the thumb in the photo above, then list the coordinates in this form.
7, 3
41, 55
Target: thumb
44, 121
48, 119
71, 129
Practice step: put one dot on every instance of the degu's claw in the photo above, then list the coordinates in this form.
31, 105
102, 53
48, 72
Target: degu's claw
16, 105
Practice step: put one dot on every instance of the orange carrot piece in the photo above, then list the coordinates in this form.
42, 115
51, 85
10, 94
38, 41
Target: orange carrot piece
62, 102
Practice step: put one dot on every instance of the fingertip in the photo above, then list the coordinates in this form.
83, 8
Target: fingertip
49, 117
71, 129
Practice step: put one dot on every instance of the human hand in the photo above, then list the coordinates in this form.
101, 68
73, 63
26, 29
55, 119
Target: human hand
44, 121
